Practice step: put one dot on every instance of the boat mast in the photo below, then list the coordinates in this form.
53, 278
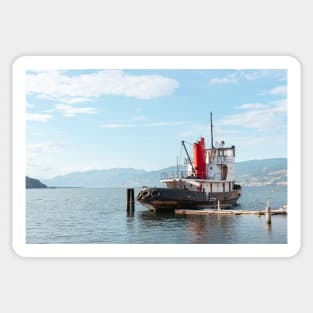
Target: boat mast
211, 132
193, 170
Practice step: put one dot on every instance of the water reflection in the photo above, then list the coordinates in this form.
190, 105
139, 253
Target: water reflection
149, 215
130, 213
197, 228
201, 229
204, 229
268, 227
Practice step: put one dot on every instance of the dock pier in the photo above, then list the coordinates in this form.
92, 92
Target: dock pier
268, 213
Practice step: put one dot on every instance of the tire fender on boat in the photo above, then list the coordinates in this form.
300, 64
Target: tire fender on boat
155, 194
139, 195
145, 194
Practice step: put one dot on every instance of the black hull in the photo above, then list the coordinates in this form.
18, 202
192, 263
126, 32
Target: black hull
165, 200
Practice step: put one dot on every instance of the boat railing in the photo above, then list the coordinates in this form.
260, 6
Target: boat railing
172, 175
184, 174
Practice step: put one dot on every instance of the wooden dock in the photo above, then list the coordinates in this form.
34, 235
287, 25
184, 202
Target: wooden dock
280, 211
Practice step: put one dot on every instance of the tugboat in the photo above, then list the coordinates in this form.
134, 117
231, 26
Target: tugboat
207, 182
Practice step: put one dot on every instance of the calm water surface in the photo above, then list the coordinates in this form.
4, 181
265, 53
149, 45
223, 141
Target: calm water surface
99, 216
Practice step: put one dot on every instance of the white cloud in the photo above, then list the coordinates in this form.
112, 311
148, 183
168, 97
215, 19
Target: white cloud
252, 74
280, 90
264, 73
227, 79
249, 106
39, 148
75, 100
280, 105
48, 111
158, 124
68, 100
249, 75
155, 124
69, 111
257, 117
37, 117
59, 86
276, 91
118, 125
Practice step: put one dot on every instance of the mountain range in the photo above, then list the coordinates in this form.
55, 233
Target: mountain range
34, 183
248, 173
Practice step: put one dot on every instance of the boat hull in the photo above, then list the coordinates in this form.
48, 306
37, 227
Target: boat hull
164, 199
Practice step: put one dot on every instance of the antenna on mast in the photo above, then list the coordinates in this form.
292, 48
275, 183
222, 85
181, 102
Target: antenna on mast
211, 132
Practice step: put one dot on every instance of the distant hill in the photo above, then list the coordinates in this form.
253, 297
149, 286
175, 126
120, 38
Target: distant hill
34, 183
116, 177
262, 172
255, 172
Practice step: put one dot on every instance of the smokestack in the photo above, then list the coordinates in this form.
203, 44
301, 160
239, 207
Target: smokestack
202, 153
196, 158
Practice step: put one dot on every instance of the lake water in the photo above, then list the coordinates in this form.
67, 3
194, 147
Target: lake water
99, 216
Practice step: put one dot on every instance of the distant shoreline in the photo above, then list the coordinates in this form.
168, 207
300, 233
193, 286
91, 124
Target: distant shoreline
275, 185
251, 173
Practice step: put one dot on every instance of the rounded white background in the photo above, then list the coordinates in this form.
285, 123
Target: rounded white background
154, 28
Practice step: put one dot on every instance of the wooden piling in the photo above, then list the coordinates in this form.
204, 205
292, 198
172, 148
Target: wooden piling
130, 201
268, 215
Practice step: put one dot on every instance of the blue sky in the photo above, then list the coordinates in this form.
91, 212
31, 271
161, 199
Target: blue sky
80, 120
